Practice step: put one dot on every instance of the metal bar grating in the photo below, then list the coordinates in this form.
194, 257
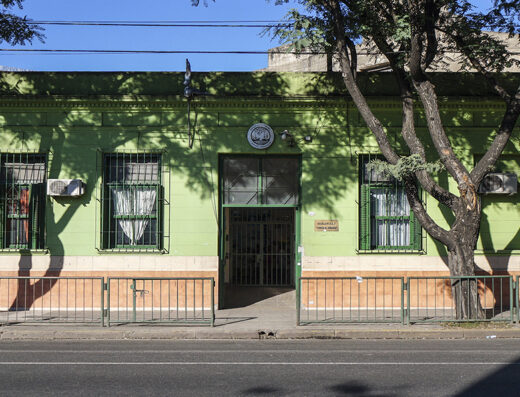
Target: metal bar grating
431, 299
351, 300
261, 246
51, 300
132, 202
22, 200
161, 300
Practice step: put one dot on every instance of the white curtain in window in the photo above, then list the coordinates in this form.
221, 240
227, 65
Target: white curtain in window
144, 200
390, 232
133, 201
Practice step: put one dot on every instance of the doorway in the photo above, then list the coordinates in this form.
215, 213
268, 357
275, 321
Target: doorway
259, 228
260, 247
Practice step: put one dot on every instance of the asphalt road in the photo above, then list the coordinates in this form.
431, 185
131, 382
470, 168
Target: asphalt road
259, 368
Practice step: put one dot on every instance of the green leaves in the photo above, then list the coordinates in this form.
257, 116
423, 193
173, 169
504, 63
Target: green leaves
407, 165
302, 32
195, 3
15, 29
402, 28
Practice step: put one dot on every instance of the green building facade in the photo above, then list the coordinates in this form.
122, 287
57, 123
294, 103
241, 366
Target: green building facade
154, 206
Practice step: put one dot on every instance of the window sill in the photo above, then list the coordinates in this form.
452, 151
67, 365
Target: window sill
498, 252
24, 251
391, 251
132, 251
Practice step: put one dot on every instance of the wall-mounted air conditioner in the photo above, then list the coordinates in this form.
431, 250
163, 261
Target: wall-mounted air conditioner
499, 183
65, 187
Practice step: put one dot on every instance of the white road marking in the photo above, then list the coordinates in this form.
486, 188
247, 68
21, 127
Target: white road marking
349, 363
259, 351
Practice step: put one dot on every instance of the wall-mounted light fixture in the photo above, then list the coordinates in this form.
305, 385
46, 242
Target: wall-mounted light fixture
291, 141
287, 137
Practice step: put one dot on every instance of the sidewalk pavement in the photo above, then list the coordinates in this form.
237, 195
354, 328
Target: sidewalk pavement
273, 318
167, 332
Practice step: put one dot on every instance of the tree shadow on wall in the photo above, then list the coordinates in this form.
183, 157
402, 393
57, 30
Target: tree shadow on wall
31, 288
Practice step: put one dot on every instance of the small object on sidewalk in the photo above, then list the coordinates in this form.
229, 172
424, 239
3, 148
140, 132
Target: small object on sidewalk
491, 337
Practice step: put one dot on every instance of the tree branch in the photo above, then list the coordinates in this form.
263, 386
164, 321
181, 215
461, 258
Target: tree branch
497, 146
353, 56
431, 14
373, 123
408, 130
434, 230
441, 142
493, 83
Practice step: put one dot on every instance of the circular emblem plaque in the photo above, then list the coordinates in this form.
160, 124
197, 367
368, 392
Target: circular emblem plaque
260, 136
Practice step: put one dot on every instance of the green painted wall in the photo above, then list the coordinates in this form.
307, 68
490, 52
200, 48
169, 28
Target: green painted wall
75, 117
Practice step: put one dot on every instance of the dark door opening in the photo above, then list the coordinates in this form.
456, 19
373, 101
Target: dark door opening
259, 219
259, 245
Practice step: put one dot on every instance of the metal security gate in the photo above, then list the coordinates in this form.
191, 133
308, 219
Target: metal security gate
261, 246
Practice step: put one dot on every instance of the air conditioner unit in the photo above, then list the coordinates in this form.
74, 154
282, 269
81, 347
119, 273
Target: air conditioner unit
499, 183
65, 187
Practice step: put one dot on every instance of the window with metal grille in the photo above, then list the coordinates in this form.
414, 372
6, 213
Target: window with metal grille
386, 220
260, 180
22, 200
131, 201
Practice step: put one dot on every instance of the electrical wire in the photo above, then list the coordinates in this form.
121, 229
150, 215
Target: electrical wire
210, 52
212, 21
79, 51
173, 23
160, 24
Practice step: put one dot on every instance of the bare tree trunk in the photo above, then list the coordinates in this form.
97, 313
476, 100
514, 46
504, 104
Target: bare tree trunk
461, 262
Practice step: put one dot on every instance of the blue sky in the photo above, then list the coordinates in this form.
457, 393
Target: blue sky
110, 38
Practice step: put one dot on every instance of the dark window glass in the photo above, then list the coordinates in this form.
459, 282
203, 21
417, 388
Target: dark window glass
261, 180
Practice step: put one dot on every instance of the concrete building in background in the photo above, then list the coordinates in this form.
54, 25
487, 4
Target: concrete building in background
370, 60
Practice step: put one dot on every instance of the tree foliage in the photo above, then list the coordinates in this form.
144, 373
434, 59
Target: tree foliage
406, 166
15, 29
195, 3
414, 36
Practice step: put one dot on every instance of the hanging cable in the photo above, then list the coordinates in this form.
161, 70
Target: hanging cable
230, 52
79, 51
161, 24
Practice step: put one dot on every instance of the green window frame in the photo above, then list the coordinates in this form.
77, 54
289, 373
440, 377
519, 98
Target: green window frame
132, 202
386, 221
22, 201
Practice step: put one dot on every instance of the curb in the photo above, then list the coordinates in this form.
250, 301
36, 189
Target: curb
28, 334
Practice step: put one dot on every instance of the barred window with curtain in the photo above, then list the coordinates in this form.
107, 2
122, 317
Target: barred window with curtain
22, 201
131, 201
386, 220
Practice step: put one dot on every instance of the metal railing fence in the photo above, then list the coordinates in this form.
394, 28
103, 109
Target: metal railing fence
51, 300
350, 299
174, 300
410, 300
431, 299
320, 299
